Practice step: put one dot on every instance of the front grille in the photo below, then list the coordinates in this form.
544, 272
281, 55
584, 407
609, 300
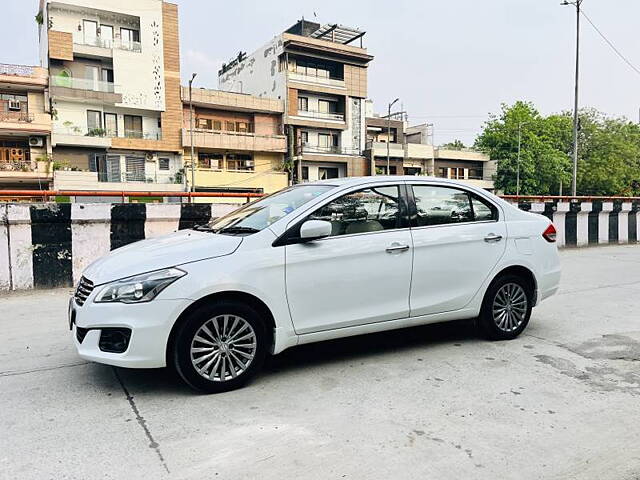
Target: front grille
85, 287
81, 333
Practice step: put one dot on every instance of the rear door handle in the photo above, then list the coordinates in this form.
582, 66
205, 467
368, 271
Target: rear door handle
492, 238
397, 247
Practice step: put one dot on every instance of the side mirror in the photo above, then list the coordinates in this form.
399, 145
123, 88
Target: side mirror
315, 229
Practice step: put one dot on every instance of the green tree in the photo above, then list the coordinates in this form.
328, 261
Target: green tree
455, 145
608, 155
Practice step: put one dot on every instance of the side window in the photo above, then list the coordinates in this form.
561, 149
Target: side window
483, 210
369, 210
441, 205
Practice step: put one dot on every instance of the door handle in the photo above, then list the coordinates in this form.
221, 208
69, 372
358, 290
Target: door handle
397, 247
492, 238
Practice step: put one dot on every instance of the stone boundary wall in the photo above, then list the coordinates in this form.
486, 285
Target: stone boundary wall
49, 245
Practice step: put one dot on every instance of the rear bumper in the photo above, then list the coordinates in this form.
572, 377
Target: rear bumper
549, 284
150, 324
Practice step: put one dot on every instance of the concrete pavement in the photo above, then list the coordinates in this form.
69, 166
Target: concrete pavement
435, 402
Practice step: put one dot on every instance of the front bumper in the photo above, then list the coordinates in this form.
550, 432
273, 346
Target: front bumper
150, 324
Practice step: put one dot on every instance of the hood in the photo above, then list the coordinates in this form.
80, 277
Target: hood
161, 252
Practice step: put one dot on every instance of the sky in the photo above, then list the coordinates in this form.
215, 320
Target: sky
451, 63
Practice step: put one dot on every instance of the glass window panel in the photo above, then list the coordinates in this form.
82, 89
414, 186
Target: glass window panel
441, 205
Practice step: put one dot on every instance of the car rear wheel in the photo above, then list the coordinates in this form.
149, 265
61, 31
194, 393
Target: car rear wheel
220, 347
506, 308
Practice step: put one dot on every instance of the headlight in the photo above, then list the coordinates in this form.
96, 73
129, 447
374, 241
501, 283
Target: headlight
138, 289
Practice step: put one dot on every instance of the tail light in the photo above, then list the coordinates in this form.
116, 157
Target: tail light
550, 234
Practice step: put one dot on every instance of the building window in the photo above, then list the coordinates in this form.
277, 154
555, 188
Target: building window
130, 39
327, 106
304, 138
133, 126
242, 163
303, 104
90, 29
230, 126
204, 123
94, 121
328, 141
243, 127
443, 172
106, 36
217, 125
163, 164
326, 173
212, 161
305, 174
111, 124
135, 169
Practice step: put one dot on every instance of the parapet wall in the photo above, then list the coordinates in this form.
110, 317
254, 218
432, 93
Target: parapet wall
49, 245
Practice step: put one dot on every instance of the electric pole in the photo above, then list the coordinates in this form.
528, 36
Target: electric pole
574, 183
193, 161
389, 136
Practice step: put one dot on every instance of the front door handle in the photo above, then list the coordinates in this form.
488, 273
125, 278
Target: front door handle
492, 238
397, 247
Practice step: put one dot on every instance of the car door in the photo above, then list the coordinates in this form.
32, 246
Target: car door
361, 273
458, 238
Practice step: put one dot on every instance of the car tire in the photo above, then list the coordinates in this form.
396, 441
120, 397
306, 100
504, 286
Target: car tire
506, 308
219, 347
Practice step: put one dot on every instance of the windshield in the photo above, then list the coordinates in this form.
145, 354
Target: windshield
257, 216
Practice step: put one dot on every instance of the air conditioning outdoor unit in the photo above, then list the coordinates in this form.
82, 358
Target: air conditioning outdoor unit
15, 105
36, 142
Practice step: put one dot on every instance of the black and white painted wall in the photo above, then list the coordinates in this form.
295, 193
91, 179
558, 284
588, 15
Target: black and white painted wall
49, 245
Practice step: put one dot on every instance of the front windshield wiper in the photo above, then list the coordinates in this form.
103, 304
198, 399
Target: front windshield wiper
238, 230
203, 228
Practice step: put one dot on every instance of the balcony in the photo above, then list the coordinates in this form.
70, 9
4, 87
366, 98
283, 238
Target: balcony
236, 141
70, 135
317, 80
132, 182
306, 148
25, 170
104, 47
81, 89
336, 117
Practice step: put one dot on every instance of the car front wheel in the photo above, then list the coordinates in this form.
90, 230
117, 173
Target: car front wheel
219, 347
506, 308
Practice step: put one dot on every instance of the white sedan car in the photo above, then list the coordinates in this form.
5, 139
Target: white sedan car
314, 262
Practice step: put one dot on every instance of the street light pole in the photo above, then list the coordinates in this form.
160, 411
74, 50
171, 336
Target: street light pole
389, 136
574, 184
519, 150
193, 162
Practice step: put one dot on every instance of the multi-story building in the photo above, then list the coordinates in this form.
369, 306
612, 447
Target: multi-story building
238, 142
463, 164
409, 151
321, 75
115, 93
25, 129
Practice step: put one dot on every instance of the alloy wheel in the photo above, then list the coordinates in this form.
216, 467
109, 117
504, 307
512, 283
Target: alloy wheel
510, 307
223, 348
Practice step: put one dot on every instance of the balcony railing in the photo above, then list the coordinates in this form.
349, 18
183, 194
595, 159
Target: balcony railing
102, 133
109, 43
330, 82
83, 84
321, 115
17, 167
138, 177
321, 149
16, 117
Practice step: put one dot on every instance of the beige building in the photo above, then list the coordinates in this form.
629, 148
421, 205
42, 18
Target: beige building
238, 142
115, 93
410, 152
25, 129
320, 72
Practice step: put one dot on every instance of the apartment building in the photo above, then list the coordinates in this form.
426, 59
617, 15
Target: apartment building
115, 93
466, 165
25, 129
238, 142
320, 73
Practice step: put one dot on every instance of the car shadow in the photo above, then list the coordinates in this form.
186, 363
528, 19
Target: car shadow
370, 346
165, 381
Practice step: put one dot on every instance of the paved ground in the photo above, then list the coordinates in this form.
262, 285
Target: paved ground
561, 402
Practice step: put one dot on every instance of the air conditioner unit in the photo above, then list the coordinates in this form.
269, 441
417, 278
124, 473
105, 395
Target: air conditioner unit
36, 142
15, 105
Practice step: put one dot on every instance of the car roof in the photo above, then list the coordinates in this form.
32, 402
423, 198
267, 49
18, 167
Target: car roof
349, 181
